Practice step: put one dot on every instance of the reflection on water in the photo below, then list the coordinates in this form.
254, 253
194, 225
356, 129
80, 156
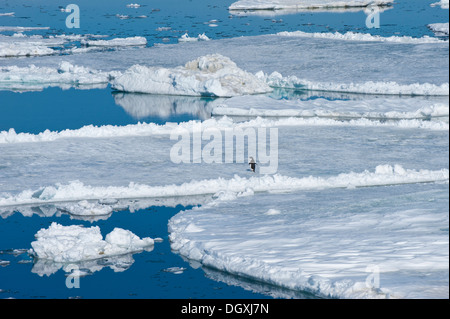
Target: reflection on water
141, 106
42, 267
157, 272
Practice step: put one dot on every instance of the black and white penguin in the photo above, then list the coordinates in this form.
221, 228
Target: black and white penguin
252, 164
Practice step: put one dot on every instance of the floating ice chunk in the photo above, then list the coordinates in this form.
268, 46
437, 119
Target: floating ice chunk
443, 3
275, 79
76, 243
66, 73
133, 5
370, 108
439, 28
122, 16
353, 36
240, 186
337, 248
117, 42
303, 4
122, 240
21, 29
149, 129
17, 50
210, 75
4, 14
175, 270
201, 37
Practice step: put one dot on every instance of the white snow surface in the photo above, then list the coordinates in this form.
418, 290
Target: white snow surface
277, 80
19, 45
302, 4
442, 3
369, 108
339, 248
439, 28
116, 42
66, 74
394, 65
225, 123
186, 38
85, 208
210, 75
76, 190
366, 37
77, 243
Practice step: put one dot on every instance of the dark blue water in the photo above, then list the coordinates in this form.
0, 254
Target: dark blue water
407, 17
56, 109
146, 277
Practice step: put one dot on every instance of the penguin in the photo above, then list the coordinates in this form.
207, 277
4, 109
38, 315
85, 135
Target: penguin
252, 164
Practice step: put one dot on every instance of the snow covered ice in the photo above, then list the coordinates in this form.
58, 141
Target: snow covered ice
210, 75
439, 28
75, 243
116, 42
358, 207
380, 108
302, 4
334, 248
410, 66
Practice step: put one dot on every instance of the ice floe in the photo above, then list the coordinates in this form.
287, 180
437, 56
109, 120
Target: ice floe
379, 65
186, 38
439, 28
369, 108
302, 4
66, 74
210, 75
383, 175
21, 29
442, 3
365, 37
21, 45
359, 243
76, 243
277, 80
116, 42
149, 129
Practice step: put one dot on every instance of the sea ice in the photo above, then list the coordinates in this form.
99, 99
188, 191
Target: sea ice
19, 45
66, 74
386, 242
224, 123
369, 108
186, 38
366, 37
210, 75
383, 175
439, 28
76, 243
378, 65
116, 42
442, 3
303, 4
